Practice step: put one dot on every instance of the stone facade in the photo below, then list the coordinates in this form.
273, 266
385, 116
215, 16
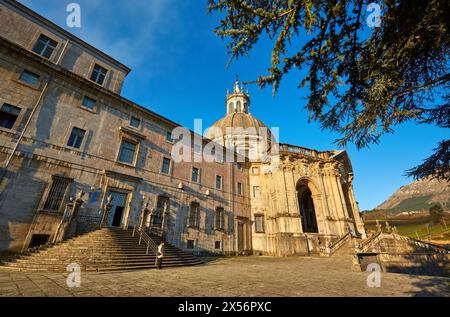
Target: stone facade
65, 131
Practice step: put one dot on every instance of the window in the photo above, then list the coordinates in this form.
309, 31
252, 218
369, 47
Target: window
194, 215
166, 166
98, 74
127, 152
45, 46
135, 122
38, 240
160, 207
190, 244
239, 166
231, 107
240, 189
56, 194
218, 245
29, 77
255, 170
238, 106
76, 138
220, 218
8, 116
89, 103
259, 224
196, 175
169, 137
256, 192
219, 182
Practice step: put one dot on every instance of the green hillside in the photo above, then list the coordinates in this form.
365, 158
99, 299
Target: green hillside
412, 204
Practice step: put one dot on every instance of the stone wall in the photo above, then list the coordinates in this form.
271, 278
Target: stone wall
94, 168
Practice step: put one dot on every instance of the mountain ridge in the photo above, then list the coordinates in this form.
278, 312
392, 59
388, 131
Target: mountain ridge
418, 196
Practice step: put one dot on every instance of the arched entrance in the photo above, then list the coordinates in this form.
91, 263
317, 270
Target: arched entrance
307, 210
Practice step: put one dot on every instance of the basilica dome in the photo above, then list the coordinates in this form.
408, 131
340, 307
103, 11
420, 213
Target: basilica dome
238, 119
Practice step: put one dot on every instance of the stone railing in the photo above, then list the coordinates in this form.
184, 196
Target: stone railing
336, 245
422, 244
287, 148
368, 244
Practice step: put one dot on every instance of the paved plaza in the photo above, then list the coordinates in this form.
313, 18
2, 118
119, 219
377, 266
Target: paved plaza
243, 277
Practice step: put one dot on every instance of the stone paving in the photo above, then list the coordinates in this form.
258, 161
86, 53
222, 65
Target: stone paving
243, 277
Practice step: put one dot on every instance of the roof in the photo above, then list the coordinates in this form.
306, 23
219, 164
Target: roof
22, 8
237, 121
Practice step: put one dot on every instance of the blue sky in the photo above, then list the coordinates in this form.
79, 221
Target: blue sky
179, 71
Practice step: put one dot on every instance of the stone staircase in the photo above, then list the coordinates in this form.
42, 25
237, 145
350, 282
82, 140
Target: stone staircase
103, 250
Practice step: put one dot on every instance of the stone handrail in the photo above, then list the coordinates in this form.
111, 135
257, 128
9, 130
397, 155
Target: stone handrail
301, 150
364, 246
422, 244
338, 243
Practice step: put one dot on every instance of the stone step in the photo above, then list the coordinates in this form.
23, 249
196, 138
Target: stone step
98, 263
110, 258
100, 251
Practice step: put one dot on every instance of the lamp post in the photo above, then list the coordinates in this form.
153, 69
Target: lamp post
106, 209
70, 214
144, 213
164, 219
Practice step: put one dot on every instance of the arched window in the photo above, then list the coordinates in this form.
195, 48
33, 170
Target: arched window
246, 107
194, 215
238, 106
231, 107
161, 205
220, 218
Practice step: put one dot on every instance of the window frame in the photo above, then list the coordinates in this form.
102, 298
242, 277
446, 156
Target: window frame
259, 192
33, 74
45, 46
9, 114
136, 151
240, 189
188, 244
219, 219
165, 159
263, 223
63, 198
135, 119
82, 139
169, 138
196, 224
221, 182
96, 80
85, 97
198, 181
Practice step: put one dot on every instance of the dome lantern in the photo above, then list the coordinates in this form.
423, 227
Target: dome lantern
238, 101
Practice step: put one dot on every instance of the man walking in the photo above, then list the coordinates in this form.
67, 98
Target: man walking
160, 256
